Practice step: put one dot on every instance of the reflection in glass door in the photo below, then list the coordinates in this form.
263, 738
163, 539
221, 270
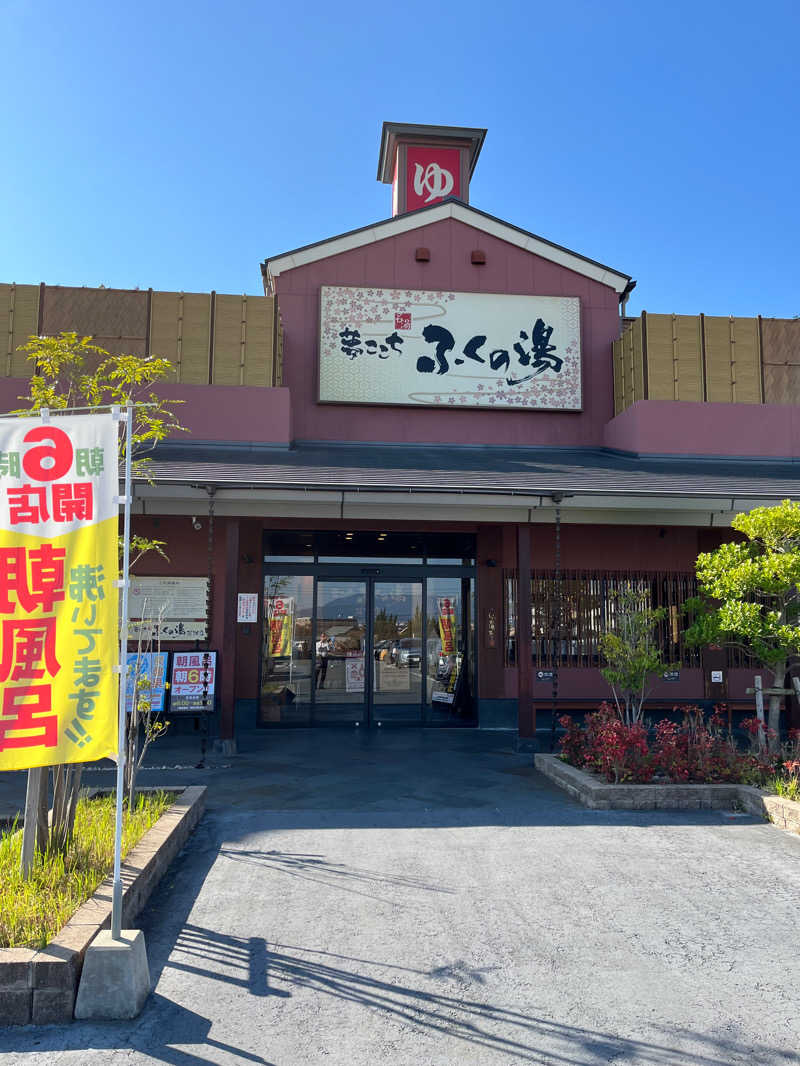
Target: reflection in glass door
367, 650
340, 651
449, 650
287, 662
397, 658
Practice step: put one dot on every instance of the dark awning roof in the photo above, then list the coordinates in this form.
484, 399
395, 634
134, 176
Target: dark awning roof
454, 468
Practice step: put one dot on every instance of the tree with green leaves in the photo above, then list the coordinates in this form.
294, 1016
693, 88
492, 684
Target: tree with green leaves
631, 650
749, 595
70, 371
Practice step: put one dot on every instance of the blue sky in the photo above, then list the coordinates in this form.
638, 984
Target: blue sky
176, 145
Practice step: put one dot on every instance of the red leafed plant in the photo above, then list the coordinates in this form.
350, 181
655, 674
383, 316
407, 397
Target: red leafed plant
698, 749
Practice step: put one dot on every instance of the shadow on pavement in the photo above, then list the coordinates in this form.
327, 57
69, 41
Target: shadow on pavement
263, 969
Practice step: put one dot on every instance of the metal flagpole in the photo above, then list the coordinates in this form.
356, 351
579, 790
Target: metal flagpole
116, 905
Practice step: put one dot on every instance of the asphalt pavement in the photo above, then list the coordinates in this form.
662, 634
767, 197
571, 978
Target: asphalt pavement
425, 898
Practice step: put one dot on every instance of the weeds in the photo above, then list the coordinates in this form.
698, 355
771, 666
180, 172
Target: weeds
33, 911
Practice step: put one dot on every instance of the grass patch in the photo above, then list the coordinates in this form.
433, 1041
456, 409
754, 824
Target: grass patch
786, 787
32, 912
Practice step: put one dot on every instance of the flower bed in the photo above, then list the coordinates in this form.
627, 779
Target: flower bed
698, 750
33, 910
39, 985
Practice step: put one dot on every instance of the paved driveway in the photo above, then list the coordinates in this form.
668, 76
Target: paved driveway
427, 898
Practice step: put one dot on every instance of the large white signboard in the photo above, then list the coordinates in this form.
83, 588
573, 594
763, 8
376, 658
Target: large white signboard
175, 608
449, 349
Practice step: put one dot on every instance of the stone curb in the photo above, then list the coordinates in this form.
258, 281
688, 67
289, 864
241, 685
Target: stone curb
602, 796
40, 986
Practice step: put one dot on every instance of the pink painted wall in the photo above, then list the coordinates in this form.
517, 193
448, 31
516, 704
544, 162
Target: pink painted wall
681, 427
209, 412
390, 263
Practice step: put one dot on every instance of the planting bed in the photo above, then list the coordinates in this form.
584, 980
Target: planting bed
40, 986
592, 791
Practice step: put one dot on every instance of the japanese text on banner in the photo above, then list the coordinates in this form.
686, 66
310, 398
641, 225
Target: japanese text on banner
58, 600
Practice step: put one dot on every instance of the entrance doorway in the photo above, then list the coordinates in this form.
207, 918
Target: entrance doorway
368, 645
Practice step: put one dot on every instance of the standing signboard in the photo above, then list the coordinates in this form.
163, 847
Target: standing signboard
58, 598
193, 681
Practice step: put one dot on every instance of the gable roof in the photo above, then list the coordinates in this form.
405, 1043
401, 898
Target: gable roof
426, 216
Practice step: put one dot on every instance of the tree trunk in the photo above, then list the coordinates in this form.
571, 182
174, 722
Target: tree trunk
775, 703
775, 724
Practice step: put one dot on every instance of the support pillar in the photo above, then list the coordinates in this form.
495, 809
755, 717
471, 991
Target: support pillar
225, 631
527, 711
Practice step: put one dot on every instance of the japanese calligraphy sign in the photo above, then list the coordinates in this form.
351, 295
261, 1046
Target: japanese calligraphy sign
58, 601
449, 349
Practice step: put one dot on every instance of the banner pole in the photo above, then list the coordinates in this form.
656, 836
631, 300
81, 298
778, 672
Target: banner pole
116, 904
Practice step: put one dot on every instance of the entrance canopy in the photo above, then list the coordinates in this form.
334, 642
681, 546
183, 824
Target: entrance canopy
447, 481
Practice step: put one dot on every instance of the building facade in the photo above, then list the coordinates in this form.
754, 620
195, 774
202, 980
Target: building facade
432, 454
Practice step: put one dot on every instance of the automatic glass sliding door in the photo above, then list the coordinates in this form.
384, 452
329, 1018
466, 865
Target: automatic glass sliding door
397, 652
340, 652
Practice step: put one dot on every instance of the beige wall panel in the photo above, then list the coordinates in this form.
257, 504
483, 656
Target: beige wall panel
733, 360
660, 358
116, 319
638, 361
229, 329
746, 361
19, 320
627, 365
719, 356
688, 357
180, 330
259, 341
164, 310
196, 338
619, 404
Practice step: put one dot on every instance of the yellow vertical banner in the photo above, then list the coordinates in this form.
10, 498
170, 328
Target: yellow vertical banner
58, 598
280, 616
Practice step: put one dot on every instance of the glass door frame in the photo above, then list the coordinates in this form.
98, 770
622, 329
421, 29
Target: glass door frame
369, 575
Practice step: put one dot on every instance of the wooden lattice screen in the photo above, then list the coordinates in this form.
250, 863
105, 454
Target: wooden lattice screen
586, 610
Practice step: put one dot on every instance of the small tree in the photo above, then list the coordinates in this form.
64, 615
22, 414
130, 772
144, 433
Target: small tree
749, 595
632, 654
142, 713
70, 371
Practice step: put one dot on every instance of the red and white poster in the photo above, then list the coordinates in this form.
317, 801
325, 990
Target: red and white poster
447, 626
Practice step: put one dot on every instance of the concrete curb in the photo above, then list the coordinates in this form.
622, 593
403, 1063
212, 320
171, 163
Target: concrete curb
40, 986
601, 796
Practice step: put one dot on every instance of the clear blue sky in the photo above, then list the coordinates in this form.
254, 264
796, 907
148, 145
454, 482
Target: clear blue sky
177, 144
